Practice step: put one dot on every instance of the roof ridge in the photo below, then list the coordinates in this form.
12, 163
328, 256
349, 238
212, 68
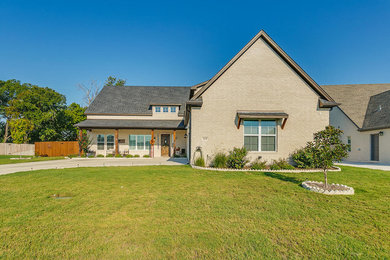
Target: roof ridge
365, 84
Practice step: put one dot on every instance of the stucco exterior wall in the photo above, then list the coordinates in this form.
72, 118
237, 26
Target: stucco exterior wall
155, 115
259, 80
360, 141
124, 134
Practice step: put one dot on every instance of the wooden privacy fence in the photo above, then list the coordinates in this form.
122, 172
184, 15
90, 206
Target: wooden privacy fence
56, 148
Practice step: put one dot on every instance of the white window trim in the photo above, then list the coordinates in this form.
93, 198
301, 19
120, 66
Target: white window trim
106, 140
136, 144
97, 142
155, 109
259, 135
172, 109
166, 108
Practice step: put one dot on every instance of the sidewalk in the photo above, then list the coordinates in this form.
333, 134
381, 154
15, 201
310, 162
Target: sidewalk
369, 165
89, 162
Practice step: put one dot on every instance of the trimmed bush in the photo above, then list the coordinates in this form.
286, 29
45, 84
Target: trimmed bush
146, 156
136, 155
259, 165
129, 156
100, 155
110, 155
304, 158
220, 160
118, 155
237, 158
200, 162
281, 164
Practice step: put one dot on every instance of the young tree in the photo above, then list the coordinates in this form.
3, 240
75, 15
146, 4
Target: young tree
327, 148
67, 118
84, 142
20, 130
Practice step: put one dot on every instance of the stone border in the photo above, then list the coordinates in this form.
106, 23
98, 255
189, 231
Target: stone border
306, 185
265, 170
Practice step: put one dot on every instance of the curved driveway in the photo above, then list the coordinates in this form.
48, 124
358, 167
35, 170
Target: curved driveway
88, 162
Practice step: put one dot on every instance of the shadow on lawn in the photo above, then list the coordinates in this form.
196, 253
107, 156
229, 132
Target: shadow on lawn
283, 177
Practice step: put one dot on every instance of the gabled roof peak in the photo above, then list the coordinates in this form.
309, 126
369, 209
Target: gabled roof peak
262, 34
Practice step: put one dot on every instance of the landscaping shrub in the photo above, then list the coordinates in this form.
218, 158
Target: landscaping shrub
129, 156
281, 164
118, 155
100, 155
220, 160
110, 155
146, 156
259, 165
200, 162
136, 155
304, 158
237, 158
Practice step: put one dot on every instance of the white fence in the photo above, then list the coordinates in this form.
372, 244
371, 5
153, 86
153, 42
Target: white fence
17, 149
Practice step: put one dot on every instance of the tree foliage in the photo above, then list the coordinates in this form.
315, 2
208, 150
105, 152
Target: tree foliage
323, 151
36, 113
114, 82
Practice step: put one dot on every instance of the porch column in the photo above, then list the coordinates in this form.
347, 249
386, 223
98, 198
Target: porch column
174, 143
152, 144
80, 136
116, 142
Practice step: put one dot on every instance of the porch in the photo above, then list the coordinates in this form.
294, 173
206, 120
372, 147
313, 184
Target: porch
138, 142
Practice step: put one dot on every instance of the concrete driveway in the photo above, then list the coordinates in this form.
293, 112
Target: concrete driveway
88, 162
369, 165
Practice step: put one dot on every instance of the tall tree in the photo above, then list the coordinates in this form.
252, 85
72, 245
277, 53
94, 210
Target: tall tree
40, 106
70, 116
114, 82
90, 91
9, 90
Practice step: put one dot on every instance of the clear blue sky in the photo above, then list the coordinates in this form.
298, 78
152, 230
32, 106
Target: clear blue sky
60, 44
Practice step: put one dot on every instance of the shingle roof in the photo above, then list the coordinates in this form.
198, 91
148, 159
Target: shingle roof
378, 112
136, 100
137, 124
354, 98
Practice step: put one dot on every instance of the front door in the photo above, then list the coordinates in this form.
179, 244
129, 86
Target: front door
375, 147
165, 144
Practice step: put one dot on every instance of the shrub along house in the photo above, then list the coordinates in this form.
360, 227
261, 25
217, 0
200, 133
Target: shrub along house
260, 99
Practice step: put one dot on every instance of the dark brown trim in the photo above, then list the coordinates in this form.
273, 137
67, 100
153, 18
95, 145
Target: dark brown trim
116, 114
373, 128
281, 53
129, 128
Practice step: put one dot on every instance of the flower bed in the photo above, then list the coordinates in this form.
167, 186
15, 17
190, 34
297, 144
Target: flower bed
336, 169
330, 189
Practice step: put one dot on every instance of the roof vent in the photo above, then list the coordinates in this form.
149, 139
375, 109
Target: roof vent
379, 108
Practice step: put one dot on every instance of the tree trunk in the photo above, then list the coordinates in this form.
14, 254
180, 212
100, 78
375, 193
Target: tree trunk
6, 131
326, 177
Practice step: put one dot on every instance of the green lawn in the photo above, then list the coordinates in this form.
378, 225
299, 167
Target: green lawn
178, 212
6, 159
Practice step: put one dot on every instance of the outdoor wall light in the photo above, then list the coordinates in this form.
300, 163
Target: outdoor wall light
185, 135
381, 133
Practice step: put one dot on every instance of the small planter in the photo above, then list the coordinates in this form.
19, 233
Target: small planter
331, 189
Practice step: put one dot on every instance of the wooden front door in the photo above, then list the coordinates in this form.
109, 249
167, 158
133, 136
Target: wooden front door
375, 147
165, 144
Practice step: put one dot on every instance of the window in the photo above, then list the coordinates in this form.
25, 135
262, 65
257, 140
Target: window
165, 109
139, 142
349, 143
260, 135
110, 142
173, 109
100, 142
158, 109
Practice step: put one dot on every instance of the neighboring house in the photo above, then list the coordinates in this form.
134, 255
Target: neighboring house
364, 116
261, 99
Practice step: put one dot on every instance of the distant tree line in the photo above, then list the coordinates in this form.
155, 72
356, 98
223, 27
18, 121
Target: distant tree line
29, 113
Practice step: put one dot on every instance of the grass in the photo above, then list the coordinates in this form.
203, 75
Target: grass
178, 212
6, 159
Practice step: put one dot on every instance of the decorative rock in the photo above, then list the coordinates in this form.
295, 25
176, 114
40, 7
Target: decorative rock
332, 189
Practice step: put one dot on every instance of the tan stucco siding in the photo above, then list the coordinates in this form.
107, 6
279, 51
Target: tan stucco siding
124, 134
360, 141
259, 80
